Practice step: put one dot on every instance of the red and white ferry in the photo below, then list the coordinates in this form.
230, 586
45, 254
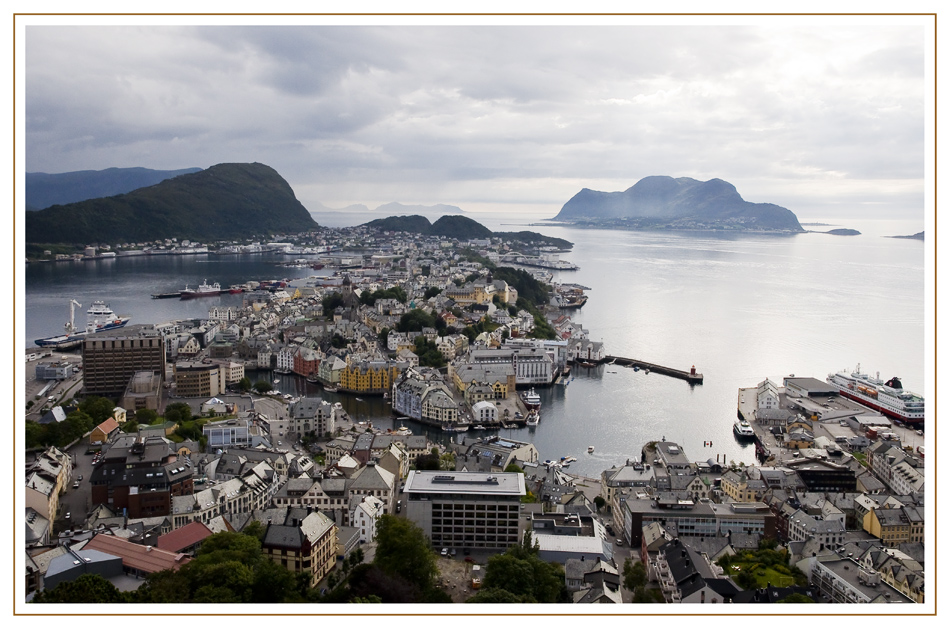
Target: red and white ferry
889, 397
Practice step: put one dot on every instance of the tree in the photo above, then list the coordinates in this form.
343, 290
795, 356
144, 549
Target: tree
525, 575
514, 468
796, 598
88, 588
634, 575
496, 595
403, 549
599, 502
99, 408
431, 292
145, 416
178, 412
262, 386
244, 384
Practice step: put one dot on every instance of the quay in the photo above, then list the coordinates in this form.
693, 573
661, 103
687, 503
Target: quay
691, 376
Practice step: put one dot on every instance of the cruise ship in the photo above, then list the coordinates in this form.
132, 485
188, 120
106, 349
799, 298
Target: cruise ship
889, 397
105, 318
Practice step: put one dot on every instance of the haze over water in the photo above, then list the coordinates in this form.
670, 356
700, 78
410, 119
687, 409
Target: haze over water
740, 307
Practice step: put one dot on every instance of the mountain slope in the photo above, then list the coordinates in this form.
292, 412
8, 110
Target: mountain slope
683, 202
45, 189
462, 228
226, 201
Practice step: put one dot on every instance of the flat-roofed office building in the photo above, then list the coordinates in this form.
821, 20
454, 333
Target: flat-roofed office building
466, 509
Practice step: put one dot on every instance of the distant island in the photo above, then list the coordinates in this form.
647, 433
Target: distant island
661, 202
462, 228
226, 201
841, 232
44, 189
917, 236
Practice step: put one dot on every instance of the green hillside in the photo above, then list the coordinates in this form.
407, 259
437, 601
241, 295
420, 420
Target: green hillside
227, 201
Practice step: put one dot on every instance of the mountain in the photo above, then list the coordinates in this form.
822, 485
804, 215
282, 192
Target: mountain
462, 228
665, 202
432, 212
226, 201
44, 189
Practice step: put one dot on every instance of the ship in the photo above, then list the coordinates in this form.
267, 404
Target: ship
533, 419
105, 319
532, 400
889, 398
743, 430
72, 336
204, 290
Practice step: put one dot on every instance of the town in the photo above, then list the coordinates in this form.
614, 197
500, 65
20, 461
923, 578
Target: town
152, 454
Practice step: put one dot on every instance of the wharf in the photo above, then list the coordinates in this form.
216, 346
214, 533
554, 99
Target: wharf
691, 376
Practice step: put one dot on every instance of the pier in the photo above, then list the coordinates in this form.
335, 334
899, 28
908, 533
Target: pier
690, 376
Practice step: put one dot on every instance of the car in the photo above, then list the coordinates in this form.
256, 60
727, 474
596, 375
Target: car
398, 506
445, 552
452, 552
76, 485
619, 542
80, 477
610, 530
68, 514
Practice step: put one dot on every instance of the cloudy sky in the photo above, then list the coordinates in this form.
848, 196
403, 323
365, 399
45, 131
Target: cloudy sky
824, 117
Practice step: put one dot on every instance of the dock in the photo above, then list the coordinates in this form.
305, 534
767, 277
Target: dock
691, 376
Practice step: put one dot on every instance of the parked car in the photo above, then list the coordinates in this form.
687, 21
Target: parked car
445, 552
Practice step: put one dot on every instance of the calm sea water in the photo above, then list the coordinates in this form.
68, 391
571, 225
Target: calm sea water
739, 307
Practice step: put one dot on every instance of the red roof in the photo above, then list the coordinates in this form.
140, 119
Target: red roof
108, 426
143, 558
185, 537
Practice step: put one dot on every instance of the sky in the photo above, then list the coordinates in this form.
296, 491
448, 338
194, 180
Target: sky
822, 116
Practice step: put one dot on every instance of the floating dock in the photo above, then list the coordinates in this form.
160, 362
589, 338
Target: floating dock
690, 376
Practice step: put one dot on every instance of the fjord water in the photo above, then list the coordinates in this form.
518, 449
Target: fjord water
740, 307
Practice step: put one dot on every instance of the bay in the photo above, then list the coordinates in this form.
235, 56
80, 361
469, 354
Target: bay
740, 307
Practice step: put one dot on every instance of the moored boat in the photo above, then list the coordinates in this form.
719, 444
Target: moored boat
204, 290
743, 430
532, 400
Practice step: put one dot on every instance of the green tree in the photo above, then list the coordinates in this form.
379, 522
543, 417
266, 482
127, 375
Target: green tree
512, 467
431, 292
262, 386
403, 549
146, 416
244, 384
496, 595
521, 572
634, 575
599, 502
98, 408
178, 412
88, 588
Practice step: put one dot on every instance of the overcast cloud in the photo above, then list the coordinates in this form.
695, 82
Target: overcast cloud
823, 119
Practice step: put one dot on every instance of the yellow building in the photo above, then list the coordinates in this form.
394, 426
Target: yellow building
370, 376
894, 526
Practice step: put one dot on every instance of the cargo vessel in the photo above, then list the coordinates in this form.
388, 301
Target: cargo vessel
73, 336
890, 398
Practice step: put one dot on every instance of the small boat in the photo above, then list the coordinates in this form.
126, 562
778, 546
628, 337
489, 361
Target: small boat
276, 380
533, 419
590, 449
358, 399
331, 388
403, 431
478, 427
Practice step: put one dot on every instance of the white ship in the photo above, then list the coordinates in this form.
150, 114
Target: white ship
889, 397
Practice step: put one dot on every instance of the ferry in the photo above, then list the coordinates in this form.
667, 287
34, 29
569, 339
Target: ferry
889, 397
743, 430
109, 320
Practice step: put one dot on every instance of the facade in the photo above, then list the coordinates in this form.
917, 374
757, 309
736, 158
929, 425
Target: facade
111, 359
311, 414
194, 379
466, 509
304, 542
